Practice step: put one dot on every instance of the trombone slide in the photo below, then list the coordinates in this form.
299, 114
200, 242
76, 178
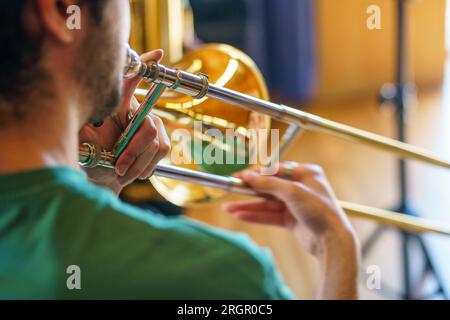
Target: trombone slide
95, 156
231, 184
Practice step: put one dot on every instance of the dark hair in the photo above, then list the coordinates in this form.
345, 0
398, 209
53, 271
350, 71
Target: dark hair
20, 53
17, 49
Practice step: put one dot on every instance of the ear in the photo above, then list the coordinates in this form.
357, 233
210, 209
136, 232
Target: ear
53, 16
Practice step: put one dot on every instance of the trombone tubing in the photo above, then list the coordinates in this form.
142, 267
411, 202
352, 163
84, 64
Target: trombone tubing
198, 86
231, 184
91, 156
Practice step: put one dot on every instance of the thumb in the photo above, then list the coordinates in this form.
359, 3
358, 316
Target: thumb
148, 57
131, 84
155, 56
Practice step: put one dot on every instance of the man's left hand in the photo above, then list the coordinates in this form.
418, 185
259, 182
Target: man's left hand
149, 145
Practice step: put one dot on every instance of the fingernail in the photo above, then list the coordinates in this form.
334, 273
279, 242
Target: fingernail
249, 174
237, 174
122, 181
122, 169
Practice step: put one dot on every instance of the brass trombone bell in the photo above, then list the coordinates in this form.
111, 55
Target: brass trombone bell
234, 79
224, 66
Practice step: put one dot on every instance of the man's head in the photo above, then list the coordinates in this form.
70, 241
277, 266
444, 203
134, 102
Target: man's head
45, 55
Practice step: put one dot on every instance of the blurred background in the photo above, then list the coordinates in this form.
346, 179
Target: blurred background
320, 56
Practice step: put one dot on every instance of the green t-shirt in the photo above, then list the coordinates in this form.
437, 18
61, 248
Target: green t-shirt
51, 219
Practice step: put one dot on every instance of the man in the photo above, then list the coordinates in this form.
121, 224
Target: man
53, 220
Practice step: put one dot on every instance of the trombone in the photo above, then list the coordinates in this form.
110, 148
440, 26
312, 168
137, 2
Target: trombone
198, 86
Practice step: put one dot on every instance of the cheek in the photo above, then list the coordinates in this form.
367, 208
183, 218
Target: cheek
122, 20
120, 27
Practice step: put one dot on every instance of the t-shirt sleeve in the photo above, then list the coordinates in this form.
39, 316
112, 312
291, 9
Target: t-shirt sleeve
274, 283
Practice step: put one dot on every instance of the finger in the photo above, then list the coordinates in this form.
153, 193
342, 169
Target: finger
164, 148
255, 205
280, 188
155, 55
299, 172
308, 174
86, 133
134, 105
139, 144
131, 84
263, 217
295, 171
149, 164
148, 172
145, 164
148, 57
125, 113
141, 163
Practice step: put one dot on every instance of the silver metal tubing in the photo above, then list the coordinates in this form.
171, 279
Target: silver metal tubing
316, 123
197, 86
138, 117
205, 179
395, 219
92, 156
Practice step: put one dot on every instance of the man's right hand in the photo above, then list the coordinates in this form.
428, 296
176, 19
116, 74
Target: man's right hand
308, 207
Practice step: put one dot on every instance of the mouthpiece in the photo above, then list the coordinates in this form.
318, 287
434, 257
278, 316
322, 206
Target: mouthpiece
133, 64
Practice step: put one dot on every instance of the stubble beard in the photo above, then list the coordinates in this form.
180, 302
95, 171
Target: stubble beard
100, 73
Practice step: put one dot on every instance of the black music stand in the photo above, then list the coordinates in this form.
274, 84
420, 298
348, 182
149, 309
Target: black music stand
397, 96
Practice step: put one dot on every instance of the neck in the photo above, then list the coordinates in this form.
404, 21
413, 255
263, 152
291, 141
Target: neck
49, 139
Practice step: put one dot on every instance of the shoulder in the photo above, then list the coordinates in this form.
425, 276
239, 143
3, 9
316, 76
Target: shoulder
103, 205
190, 253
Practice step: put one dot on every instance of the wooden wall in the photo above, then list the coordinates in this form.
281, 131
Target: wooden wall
355, 61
